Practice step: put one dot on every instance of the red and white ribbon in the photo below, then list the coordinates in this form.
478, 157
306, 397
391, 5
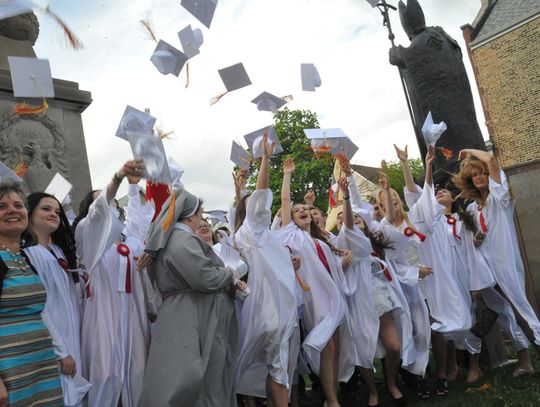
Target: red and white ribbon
124, 251
410, 232
452, 221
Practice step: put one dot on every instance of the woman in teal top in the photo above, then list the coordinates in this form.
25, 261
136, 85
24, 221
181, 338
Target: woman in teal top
29, 372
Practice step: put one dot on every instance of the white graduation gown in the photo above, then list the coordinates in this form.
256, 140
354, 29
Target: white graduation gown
269, 315
62, 317
501, 251
448, 305
115, 330
325, 308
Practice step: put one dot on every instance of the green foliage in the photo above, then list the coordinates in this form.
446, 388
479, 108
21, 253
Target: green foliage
311, 172
395, 173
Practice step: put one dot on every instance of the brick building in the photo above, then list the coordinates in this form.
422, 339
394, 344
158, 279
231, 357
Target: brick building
503, 43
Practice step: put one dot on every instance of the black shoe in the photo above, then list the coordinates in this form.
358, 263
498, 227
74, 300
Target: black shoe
442, 388
400, 402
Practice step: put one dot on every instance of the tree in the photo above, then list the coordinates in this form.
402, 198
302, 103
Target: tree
311, 172
395, 173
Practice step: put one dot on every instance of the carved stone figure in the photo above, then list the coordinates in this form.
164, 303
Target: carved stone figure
436, 81
20, 28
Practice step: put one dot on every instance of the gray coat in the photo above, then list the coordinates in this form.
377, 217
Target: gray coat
193, 350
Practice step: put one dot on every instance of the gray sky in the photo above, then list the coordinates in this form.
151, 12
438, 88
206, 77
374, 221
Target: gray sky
345, 39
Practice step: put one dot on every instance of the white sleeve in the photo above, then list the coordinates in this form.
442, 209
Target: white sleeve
258, 211
137, 216
501, 192
407, 274
60, 348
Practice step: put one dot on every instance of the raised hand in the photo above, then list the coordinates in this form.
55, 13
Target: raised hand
343, 183
430, 156
268, 148
345, 166
402, 155
383, 181
131, 168
463, 154
288, 166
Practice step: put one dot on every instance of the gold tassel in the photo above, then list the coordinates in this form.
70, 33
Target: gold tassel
149, 29
446, 152
71, 37
187, 74
20, 169
217, 98
303, 285
169, 219
162, 134
25, 109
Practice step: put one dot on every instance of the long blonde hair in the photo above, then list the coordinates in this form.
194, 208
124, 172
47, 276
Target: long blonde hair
380, 201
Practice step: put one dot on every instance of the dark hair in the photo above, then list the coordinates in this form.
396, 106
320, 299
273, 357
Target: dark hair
240, 214
378, 241
84, 206
8, 187
62, 237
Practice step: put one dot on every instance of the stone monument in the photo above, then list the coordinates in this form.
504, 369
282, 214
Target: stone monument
50, 142
436, 81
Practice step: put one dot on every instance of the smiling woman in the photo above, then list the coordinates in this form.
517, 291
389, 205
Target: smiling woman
29, 372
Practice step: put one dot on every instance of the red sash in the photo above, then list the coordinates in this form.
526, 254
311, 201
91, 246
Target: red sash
322, 257
386, 273
452, 221
124, 251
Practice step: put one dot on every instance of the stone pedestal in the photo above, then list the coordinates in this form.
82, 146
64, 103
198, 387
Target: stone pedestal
50, 142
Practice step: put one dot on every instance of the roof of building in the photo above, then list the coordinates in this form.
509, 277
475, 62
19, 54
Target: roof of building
502, 15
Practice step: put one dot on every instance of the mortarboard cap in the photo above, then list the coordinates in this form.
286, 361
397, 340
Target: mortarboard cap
254, 141
334, 139
239, 156
10, 8
191, 40
6, 174
217, 215
373, 2
202, 10
176, 172
234, 77
324, 133
268, 102
136, 121
31, 77
167, 59
310, 77
431, 131
149, 148
59, 187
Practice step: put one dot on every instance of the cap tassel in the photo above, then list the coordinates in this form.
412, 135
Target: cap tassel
169, 219
71, 37
20, 169
147, 25
25, 109
446, 152
187, 74
162, 134
303, 285
217, 98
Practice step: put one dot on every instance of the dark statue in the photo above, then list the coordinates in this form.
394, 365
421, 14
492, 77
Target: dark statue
436, 81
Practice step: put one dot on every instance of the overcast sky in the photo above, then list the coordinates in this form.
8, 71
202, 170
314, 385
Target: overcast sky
360, 93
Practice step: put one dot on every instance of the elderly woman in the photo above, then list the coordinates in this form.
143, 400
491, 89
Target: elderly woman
29, 372
193, 349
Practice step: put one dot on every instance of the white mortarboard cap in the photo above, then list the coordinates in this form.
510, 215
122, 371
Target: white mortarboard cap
167, 59
234, 77
191, 40
431, 131
324, 133
310, 77
10, 8
31, 77
268, 102
202, 10
135, 120
176, 172
6, 174
335, 139
149, 148
373, 2
59, 187
254, 141
344, 146
239, 156
217, 215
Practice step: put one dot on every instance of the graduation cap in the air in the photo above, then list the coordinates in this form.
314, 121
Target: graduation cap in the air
149, 148
234, 77
254, 141
59, 187
167, 59
239, 156
202, 10
6, 174
333, 141
310, 77
136, 121
432, 132
191, 40
268, 102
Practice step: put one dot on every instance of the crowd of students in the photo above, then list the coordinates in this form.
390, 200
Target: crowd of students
127, 307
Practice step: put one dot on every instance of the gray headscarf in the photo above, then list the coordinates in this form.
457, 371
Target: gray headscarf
185, 206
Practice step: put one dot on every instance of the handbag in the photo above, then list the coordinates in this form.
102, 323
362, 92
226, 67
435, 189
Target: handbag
485, 319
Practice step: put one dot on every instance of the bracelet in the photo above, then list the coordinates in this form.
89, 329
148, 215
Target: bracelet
346, 197
116, 179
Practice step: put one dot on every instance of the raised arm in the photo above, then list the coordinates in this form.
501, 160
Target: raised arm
263, 179
239, 179
430, 156
131, 168
348, 219
390, 213
489, 159
403, 157
288, 169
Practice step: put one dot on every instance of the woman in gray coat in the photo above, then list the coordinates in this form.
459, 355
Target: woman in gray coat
193, 350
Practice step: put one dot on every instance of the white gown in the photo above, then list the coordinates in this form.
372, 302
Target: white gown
325, 309
269, 318
501, 251
448, 305
115, 330
62, 317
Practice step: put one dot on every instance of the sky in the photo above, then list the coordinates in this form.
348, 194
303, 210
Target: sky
360, 92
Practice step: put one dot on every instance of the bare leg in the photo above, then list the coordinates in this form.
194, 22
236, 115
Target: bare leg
474, 368
277, 394
451, 361
439, 349
295, 399
329, 360
369, 380
390, 340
